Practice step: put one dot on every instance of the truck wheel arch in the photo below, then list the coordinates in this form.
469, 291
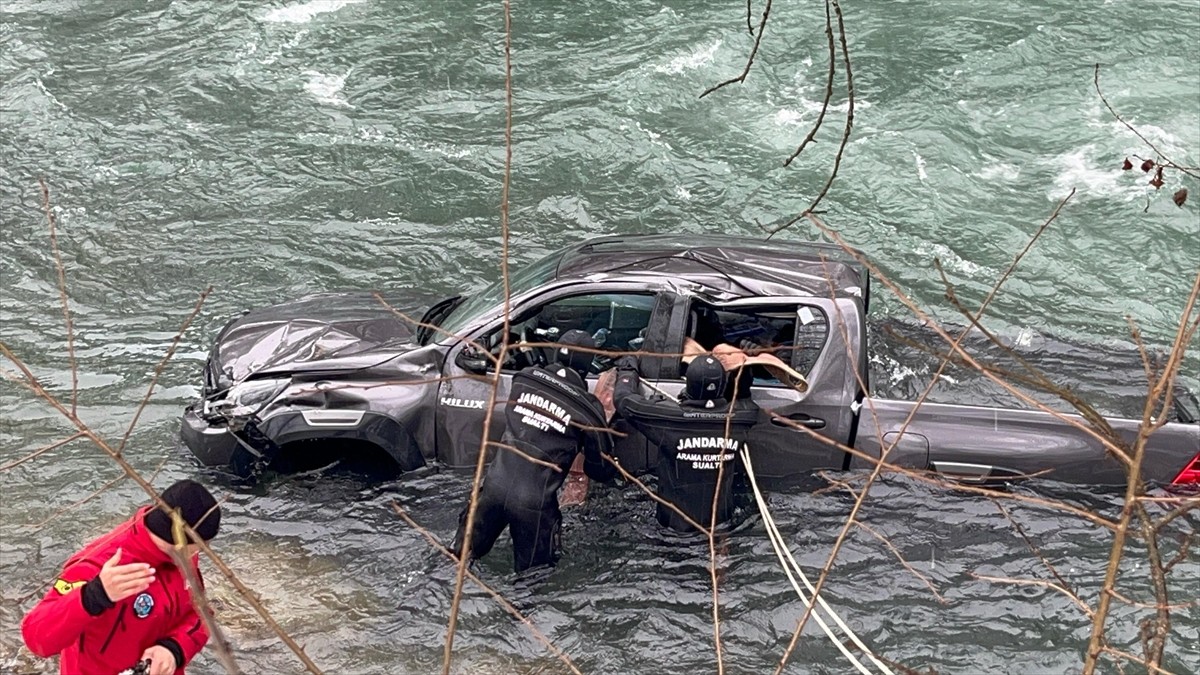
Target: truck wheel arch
375, 428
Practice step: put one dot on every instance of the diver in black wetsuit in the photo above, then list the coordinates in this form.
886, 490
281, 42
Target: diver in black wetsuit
694, 435
546, 413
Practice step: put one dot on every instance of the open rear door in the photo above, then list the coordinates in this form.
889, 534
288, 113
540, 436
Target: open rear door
823, 339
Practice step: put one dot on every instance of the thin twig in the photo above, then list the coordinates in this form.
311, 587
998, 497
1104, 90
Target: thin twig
879, 462
103, 488
525, 455
642, 486
1133, 485
858, 501
1151, 605
195, 589
473, 504
1184, 549
954, 344
162, 364
1130, 657
812, 133
62, 293
762, 24
41, 451
433, 327
1156, 641
925, 477
712, 527
1188, 170
1039, 582
508, 606
896, 552
846, 130
1100, 429
1032, 547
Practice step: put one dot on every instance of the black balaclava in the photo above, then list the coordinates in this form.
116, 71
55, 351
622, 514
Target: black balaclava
196, 506
577, 360
705, 379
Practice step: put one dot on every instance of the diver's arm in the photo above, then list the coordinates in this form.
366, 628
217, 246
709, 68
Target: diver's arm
638, 409
594, 465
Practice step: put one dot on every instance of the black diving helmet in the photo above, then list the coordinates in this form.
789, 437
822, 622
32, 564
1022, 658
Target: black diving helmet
576, 359
705, 379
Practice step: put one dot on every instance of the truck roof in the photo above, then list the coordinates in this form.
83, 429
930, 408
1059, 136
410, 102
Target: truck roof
735, 265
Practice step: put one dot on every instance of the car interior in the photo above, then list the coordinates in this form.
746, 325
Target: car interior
617, 321
795, 334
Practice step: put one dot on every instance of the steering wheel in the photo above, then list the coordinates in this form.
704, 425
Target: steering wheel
525, 355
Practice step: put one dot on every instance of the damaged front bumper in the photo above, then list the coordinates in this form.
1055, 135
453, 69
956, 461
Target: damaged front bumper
232, 441
212, 444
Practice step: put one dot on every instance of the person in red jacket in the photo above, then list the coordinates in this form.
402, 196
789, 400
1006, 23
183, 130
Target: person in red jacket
122, 601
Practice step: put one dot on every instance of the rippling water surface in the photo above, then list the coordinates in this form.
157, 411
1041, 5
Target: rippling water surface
274, 149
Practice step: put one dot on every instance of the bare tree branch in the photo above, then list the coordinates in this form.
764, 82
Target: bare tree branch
41, 451
508, 606
473, 504
896, 552
812, 133
1185, 169
62, 293
762, 24
1039, 582
159, 369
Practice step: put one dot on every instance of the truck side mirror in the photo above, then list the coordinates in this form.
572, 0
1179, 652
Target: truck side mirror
1185, 407
472, 360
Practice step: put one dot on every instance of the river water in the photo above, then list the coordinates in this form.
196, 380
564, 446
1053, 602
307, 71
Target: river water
275, 149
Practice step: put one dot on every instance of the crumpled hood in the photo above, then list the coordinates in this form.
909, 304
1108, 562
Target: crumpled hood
327, 331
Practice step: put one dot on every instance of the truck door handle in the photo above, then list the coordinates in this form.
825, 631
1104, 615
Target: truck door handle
801, 419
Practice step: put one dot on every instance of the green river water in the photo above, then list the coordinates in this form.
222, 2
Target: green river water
279, 148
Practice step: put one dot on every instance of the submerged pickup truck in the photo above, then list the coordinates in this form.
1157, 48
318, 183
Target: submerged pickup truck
336, 373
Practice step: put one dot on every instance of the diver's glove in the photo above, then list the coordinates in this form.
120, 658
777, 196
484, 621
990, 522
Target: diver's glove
627, 362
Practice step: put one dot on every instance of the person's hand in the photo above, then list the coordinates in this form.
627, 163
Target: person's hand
122, 581
627, 362
604, 392
162, 661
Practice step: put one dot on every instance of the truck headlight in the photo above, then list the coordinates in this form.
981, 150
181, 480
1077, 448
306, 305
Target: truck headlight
254, 393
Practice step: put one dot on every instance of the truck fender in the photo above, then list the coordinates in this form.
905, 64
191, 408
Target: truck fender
362, 425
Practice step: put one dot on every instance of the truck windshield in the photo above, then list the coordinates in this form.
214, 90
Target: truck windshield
464, 318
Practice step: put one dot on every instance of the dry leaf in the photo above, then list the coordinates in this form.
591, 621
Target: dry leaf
1180, 196
1127, 165
1157, 181
1147, 165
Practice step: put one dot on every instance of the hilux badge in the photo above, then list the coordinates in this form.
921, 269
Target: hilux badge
462, 403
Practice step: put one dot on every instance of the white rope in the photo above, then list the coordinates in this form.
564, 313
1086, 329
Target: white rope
781, 549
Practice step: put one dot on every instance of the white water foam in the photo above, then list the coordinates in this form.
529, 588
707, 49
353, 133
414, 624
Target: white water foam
809, 109
921, 167
698, 57
305, 12
37, 81
999, 171
655, 138
950, 259
327, 88
1080, 170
